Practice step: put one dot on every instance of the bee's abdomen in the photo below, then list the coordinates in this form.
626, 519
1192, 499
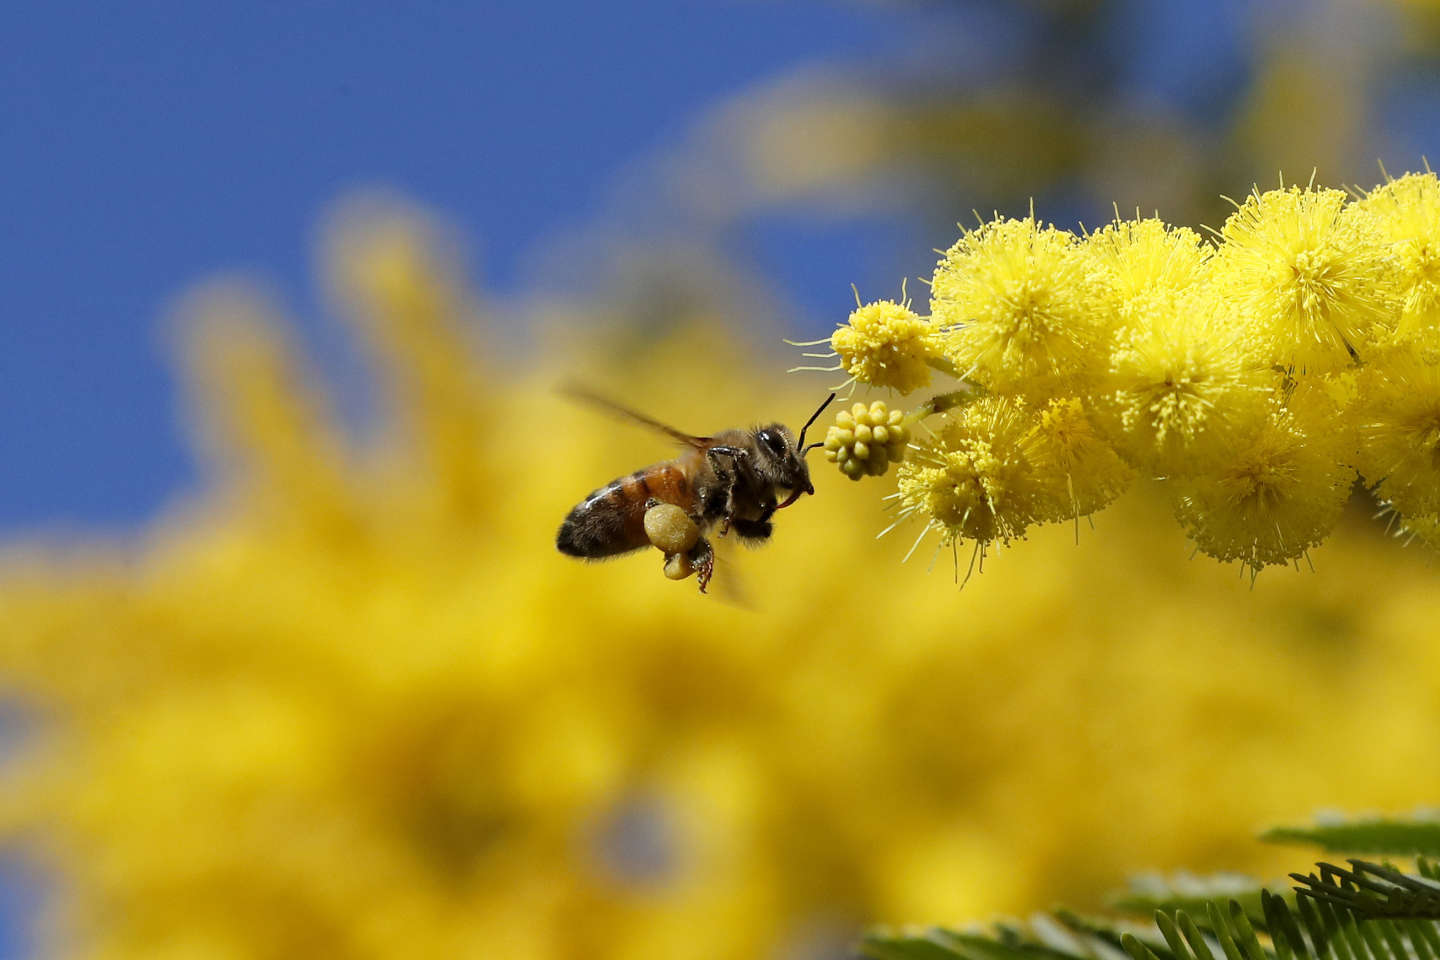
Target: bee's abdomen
612, 519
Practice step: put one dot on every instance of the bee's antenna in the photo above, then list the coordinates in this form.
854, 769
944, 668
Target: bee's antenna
813, 417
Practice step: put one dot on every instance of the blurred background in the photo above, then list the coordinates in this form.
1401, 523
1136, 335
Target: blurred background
290, 664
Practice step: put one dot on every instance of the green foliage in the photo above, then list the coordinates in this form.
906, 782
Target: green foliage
1370, 891
1418, 836
1367, 912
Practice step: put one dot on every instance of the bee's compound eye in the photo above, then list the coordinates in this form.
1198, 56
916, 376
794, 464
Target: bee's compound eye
773, 441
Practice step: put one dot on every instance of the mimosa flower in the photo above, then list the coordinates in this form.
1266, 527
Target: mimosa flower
886, 344
1144, 260
1407, 215
1082, 473
1398, 415
1177, 377
1020, 303
1278, 493
1314, 275
973, 481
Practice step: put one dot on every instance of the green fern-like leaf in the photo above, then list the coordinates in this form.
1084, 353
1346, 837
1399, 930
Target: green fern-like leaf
1414, 836
1005, 943
888, 944
1369, 890
1368, 912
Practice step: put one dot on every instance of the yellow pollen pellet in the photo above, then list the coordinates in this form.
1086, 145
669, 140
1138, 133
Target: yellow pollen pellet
678, 566
670, 529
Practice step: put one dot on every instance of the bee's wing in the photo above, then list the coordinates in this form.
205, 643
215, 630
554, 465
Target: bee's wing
727, 584
585, 395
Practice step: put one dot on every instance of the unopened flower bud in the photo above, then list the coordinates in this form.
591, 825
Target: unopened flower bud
866, 439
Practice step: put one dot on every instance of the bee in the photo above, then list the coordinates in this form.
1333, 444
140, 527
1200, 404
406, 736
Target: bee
733, 480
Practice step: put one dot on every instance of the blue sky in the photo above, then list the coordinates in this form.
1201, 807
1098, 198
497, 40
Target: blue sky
145, 146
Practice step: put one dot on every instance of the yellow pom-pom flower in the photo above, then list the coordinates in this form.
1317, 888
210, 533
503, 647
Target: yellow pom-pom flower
1399, 417
1142, 260
1281, 489
886, 344
1176, 379
1020, 303
865, 440
1312, 273
973, 481
1407, 215
1082, 473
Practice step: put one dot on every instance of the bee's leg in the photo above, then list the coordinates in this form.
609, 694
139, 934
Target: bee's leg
731, 477
702, 558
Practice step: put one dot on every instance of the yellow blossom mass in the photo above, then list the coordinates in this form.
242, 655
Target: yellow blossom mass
1259, 374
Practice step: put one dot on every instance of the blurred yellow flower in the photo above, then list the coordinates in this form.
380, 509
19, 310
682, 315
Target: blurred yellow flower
350, 701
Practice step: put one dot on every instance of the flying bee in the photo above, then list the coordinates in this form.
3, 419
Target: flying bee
733, 480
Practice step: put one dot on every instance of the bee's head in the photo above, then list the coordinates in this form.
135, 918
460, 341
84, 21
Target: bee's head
782, 458
778, 461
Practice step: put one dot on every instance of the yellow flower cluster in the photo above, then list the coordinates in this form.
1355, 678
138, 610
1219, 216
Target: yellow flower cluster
348, 701
1256, 375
